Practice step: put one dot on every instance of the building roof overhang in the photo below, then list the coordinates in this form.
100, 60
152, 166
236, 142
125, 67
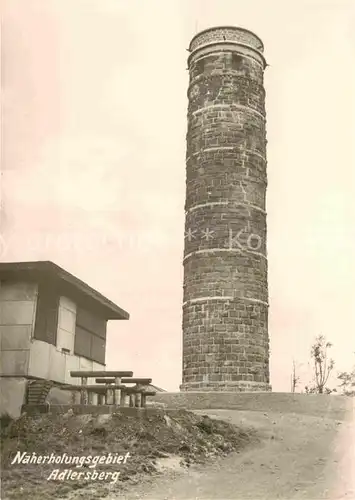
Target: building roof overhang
76, 289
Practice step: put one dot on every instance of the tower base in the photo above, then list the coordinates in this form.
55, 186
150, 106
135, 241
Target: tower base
226, 386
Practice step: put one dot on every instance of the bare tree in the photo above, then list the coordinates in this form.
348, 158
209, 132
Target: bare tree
322, 365
347, 382
294, 378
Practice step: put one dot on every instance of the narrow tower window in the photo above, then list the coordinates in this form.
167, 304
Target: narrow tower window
237, 61
200, 66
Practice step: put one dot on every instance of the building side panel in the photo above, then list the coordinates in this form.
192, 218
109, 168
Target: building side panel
17, 313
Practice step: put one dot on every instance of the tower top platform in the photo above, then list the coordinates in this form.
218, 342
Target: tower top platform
226, 34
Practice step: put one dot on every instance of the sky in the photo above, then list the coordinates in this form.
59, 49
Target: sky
94, 123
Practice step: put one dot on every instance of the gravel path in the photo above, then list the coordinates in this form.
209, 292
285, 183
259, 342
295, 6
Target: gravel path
299, 457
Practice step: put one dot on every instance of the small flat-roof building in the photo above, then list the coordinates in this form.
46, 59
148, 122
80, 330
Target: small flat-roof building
50, 323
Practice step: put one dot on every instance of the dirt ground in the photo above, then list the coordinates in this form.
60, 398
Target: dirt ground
147, 440
299, 457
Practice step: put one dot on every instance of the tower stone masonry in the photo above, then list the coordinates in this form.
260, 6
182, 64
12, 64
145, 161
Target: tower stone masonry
225, 304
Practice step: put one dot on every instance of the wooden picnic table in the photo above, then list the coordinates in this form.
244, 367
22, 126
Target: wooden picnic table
139, 395
110, 387
91, 374
131, 380
84, 375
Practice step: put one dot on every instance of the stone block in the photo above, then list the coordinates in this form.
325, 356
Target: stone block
57, 365
85, 364
18, 291
66, 320
65, 340
14, 363
17, 312
12, 395
39, 359
72, 363
14, 337
67, 303
98, 366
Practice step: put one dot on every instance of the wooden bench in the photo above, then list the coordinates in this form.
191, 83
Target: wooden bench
137, 396
93, 374
98, 395
141, 387
88, 393
110, 388
131, 380
84, 375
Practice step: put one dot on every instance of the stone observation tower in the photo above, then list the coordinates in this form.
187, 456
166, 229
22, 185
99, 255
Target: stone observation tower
225, 305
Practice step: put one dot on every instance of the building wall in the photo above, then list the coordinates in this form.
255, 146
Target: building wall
12, 395
90, 336
22, 355
225, 309
51, 362
17, 316
66, 324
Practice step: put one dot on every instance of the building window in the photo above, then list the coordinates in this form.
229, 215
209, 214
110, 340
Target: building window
237, 61
46, 323
90, 336
199, 66
66, 325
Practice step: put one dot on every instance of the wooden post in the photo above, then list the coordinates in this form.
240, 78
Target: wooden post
131, 400
73, 397
109, 395
123, 398
138, 400
84, 392
143, 400
117, 392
